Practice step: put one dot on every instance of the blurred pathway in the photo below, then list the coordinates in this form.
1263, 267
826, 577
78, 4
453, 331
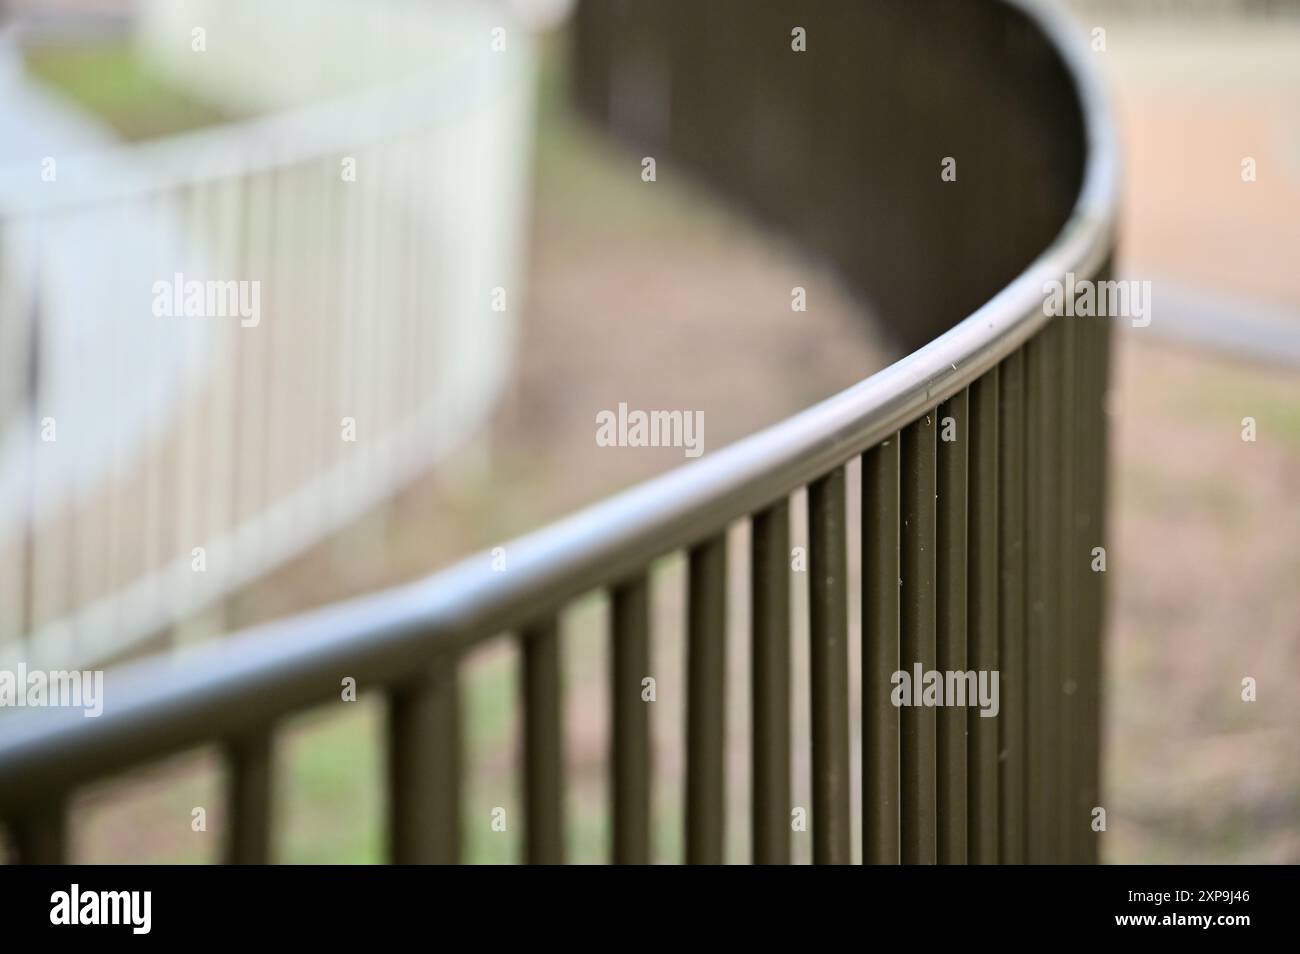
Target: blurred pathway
1234, 325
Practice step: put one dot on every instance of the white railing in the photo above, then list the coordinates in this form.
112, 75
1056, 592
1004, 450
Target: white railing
160, 448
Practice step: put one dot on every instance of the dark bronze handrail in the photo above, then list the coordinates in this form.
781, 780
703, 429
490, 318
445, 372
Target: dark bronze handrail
969, 557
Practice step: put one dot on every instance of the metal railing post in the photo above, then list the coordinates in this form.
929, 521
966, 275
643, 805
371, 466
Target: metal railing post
829, 660
770, 696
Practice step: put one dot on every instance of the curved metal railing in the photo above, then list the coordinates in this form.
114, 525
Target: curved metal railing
975, 551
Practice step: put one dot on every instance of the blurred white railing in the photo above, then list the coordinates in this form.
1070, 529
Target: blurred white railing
152, 462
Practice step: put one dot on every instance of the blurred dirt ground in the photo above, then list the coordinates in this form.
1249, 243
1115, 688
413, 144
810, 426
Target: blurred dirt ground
1205, 591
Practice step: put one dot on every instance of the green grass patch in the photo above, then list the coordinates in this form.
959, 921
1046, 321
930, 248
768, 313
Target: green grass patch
114, 84
329, 803
1228, 392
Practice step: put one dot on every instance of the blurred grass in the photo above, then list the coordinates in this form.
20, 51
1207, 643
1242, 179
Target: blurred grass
1234, 392
330, 768
115, 85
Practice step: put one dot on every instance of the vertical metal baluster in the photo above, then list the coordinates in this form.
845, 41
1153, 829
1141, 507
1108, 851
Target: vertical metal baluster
982, 618
1067, 684
40, 837
770, 660
918, 757
880, 652
1093, 440
1103, 483
950, 575
249, 799
424, 768
543, 744
1042, 664
1077, 819
1011, 608
706, 701
829, 657
630, 663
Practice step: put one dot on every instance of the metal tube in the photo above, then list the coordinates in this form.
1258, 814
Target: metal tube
424, 768
543, 744
982, 618
706, 701
1097, 652
40, 836
770, 661
829, 656
630, 783
1066, 687
1011, 609
880, 647
248, 789
1042, 640
1095, 347
950, 574
917, 763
